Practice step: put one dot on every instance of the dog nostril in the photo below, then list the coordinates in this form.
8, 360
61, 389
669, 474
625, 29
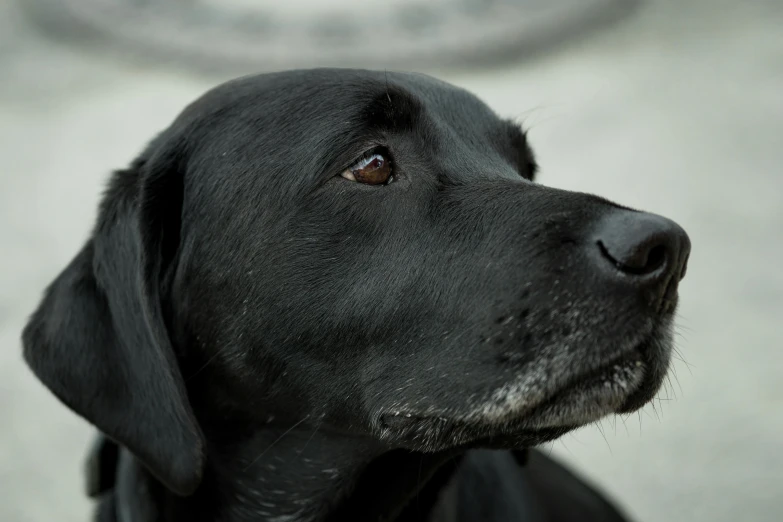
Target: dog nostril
641, 244
655, 258
640, 262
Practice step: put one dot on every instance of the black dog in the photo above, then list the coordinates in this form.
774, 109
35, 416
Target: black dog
316, 291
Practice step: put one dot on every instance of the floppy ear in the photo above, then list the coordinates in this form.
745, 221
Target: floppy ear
99, 341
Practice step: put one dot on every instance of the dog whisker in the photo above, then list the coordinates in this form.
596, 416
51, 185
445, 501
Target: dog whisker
655, 410
678, 355
204, 366
315, 430
552, 447
286, 432
600, 427
664, 390
677, 379
625, 424
679, 325
562, 441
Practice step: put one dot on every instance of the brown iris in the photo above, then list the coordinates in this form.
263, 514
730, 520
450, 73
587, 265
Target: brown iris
372, 170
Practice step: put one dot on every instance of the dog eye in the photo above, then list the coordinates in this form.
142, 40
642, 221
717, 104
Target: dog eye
373, 169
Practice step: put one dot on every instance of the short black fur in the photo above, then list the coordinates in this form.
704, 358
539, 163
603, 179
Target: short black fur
263, 339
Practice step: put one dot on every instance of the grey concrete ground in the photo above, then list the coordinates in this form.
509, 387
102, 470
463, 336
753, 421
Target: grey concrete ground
679, 110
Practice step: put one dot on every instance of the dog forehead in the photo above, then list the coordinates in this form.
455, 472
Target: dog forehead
318, 97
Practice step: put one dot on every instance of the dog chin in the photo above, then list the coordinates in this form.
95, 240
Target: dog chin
527, 412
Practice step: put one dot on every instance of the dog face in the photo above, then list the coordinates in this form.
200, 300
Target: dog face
362, 252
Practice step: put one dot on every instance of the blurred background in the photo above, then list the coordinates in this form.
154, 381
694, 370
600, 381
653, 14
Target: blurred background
672, 106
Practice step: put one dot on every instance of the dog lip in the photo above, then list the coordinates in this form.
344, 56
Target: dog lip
645, 358
624, 374
628, 360
592, 395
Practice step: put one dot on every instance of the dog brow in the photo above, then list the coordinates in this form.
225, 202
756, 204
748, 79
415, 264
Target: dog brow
392, 109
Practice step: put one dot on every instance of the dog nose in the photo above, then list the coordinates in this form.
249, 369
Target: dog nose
647, 249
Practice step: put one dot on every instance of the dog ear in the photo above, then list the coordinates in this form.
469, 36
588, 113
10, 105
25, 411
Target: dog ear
98, 339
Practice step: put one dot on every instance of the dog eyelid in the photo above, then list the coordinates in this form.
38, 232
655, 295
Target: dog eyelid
374, 168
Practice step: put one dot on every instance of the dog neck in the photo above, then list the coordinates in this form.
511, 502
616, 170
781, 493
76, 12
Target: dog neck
303, 476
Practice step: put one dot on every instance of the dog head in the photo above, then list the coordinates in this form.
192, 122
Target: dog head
359, 251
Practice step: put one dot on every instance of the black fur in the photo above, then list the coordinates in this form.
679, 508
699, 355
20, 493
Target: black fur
266, 340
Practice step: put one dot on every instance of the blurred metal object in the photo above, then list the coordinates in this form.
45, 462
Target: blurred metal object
242, 35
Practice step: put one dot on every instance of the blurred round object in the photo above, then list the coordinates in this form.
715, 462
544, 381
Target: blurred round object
244, 35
